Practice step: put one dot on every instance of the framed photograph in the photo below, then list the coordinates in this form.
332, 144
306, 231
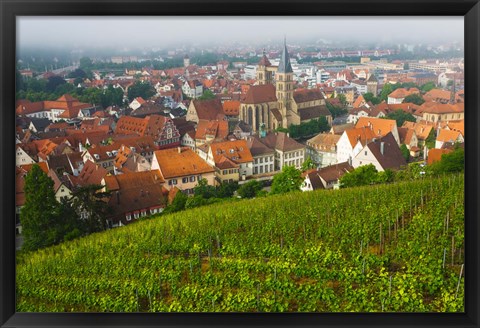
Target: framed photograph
209, 163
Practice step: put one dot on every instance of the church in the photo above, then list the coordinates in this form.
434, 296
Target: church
273, 102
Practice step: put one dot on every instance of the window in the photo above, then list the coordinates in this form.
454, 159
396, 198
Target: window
261, 160
128, 217
224, 172
199, 178
192, 178
261, 169
255, 170
184, 180
172, 182
136, 215
365, 153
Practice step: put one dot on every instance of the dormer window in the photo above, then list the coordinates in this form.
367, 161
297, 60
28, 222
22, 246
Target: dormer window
96, 156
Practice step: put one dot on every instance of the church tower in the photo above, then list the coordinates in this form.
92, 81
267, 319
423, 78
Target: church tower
264, 74
284, 86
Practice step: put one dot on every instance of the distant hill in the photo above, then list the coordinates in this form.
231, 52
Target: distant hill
370, 249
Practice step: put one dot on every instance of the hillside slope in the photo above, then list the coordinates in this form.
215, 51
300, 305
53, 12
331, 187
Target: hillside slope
396, 247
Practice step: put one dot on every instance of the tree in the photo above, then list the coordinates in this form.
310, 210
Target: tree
369, 97
53, 83
68, 222
400, 117
386, 90
361, 176
451, 163
335, 110
427, 87
86, 63
78, 73
91, 96
38, 216
308, 164
414, 98
140, 89
65, 88
111, 97
90, 203
430, 141
288, 180
207, 95
250, 189
405, 152
204, 190
386, 176
227, 189
342, 98
178, 203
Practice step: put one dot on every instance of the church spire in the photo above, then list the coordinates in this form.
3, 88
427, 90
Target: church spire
285, 66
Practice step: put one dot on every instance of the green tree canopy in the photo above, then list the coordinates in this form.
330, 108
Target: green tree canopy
250, 189
400, 117
336, 111
361, 176
427, 87
308, 164
207, 95
204, 189
40, 212
111, 97
288, 180
405, 152
53, 83
414, 98
140, 89
369, 97
90, 203
78, 73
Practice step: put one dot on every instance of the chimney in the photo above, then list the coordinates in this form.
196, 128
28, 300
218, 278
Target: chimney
382, 147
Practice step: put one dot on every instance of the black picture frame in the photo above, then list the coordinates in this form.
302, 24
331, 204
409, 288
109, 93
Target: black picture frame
470, 9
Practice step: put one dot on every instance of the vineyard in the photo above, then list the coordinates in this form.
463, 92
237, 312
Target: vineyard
391, 248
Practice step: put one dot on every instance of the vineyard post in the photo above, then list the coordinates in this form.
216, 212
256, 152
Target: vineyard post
149, 300
380, 237
453, 248
459, 280
444, 253
448, 221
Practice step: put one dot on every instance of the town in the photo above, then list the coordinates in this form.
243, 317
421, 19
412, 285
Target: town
145, 134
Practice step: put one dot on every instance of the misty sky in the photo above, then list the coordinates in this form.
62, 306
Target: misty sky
155, 31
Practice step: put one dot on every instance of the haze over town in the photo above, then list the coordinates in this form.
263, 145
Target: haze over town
150, 32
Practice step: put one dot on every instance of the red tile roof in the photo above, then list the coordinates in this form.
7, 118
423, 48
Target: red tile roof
258, 94
181, 161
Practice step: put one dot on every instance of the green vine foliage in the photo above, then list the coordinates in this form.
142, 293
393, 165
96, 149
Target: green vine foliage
394, 248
